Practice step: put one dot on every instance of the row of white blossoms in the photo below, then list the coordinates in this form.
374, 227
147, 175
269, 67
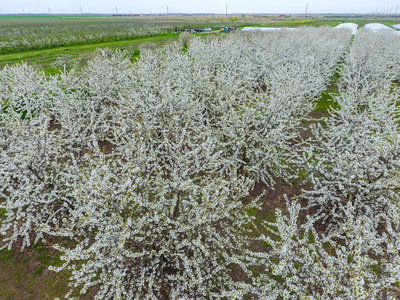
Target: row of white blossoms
141, 173
353, 160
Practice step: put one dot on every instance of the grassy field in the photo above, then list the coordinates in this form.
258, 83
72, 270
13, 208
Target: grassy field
44, 58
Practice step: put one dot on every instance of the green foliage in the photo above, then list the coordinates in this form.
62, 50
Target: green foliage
6, 254
24, 275
39, 270
44, 258
8, 295
376, 269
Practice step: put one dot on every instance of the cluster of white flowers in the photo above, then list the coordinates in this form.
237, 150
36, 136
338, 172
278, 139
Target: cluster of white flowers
143, 170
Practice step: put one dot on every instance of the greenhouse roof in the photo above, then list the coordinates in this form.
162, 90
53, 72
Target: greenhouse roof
396, 26
377, 26
351, 26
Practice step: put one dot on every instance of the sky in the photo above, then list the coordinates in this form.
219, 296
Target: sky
203, 6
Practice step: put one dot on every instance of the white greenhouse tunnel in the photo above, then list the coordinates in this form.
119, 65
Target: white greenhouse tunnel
377, 27
352, 26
